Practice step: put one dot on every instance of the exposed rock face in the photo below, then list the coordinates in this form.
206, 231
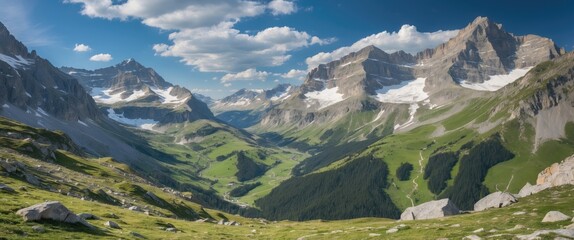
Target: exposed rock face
5, 188
31, 83
495, 200
136, 92
555, 216
479, 51
556, 175
430, 210
245, 107
52, 211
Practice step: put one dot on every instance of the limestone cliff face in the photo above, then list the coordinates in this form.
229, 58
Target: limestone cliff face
480, 50
30, 82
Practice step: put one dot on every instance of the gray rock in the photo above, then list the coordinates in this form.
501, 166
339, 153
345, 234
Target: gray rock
495, 200
519, 213
39, 228
31, 179
472, 237
478, 230
171, 229
111, 224
88, 216
137, 235
52, 211
555, 216
556, 175
393, 230
429, 210
5, 188
536, 235
222, 222
135, 208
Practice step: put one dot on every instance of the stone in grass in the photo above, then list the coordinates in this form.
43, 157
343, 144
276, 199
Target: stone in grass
88, 216
393, 230
430, 210
137, 235
171, 229
495, 200
5, 188
111, 224
555, 216
472, 237
53, 210
39, 228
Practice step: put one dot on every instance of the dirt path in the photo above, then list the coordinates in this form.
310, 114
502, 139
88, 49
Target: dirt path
415, 184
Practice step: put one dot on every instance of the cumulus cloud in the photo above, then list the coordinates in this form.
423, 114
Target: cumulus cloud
295, 74
203, 31
247, 75
408, 39
224, 49
102, 57
82, 48
279, 7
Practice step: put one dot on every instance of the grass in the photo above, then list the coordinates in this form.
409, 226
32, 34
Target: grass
535, 206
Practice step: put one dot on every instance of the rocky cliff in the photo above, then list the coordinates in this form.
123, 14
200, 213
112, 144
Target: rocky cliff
131, 93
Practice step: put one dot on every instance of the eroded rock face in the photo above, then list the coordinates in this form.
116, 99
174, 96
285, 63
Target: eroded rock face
51, 211
495, 200
556, 175
430, 210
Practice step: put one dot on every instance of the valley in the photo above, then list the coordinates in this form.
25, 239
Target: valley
361, 141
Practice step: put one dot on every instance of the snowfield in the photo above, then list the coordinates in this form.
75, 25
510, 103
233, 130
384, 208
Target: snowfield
325, 98
496, 81
281, 95
102, 95
17, 62
147, 124
405, 92
167, 97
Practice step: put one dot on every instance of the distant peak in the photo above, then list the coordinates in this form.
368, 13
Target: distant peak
130, 63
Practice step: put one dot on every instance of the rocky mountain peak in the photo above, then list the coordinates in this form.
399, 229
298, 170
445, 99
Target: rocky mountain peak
9, 45
130, 64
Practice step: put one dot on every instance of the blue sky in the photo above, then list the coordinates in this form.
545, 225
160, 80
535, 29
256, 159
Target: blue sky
215, 47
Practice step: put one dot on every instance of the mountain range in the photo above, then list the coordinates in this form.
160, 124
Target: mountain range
367, 135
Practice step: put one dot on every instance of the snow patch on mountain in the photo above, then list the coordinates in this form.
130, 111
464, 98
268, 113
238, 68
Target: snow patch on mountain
102, 95
325, 98
280, 96
412, 111
147, 124
406, 92
17, 62
496, 81
167, 97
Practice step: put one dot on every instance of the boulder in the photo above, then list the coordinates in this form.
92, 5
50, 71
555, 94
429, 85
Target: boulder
135, 208
52, 211
472, 237
556, 175
495, 200
555, 216
5, 188
171, 229
31, 179
88, 216
111, 224
536, 235
429, 210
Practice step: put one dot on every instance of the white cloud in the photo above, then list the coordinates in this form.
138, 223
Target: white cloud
82, 48
247, 75
204, 35
224, 49
295, 74
407, 39
227, 84
279, 7
102, 57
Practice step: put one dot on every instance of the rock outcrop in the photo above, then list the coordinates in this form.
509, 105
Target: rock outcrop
495, 200
555, 216
556, 175
430, 210
51, 211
